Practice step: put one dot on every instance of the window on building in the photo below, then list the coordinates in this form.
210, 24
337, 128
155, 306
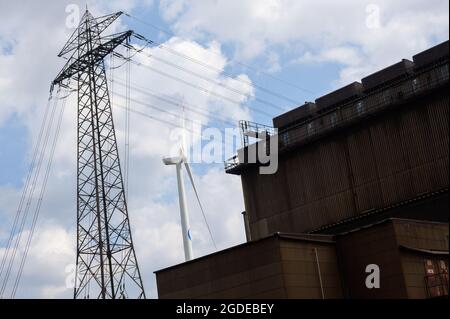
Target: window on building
436, 277
285, 138
443, 71
415, 84
310, 128
387, 96
360, 108
333, 119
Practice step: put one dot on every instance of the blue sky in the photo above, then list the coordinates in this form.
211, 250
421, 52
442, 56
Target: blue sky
13, 138
317, 46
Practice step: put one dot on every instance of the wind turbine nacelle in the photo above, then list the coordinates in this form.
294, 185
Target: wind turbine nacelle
173, 160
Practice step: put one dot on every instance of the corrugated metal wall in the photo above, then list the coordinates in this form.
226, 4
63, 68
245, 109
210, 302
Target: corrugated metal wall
381, 161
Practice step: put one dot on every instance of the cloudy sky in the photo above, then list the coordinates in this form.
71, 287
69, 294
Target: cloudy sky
263, 57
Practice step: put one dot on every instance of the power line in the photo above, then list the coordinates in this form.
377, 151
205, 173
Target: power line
150, 106
112, 67
167, 100
246, 95
148, 116
178, 104
172, 124
253, 68
40, 199
26, 185
222, 71
30, 197
200, 88
127, 121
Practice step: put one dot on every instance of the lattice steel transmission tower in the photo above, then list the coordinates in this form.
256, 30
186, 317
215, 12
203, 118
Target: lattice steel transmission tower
106, 265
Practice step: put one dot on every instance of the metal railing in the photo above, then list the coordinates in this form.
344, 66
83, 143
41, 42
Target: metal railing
366, 106
354, 111
251, 130
232, 163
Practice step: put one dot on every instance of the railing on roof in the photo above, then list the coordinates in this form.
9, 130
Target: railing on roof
365, 106
353, 111
232, 163
251, 130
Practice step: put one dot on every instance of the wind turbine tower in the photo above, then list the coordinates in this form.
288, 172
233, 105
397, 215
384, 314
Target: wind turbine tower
179, 161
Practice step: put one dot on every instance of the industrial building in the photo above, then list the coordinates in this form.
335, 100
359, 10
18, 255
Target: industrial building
362, 179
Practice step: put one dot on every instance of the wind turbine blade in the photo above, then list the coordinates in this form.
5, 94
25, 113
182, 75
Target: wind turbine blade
191, 178
183, 145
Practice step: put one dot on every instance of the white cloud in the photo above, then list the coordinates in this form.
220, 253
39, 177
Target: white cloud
342, 55
44, 275
323, 30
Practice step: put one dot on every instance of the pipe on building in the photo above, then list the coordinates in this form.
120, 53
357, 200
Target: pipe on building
319, 272
247, 227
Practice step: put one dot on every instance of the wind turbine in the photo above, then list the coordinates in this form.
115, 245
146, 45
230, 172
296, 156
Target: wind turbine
180, 161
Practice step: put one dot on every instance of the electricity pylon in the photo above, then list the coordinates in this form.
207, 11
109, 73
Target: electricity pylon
106, 264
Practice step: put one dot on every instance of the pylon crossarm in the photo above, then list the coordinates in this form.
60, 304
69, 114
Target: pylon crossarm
98, 54
105, 21
101, 24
